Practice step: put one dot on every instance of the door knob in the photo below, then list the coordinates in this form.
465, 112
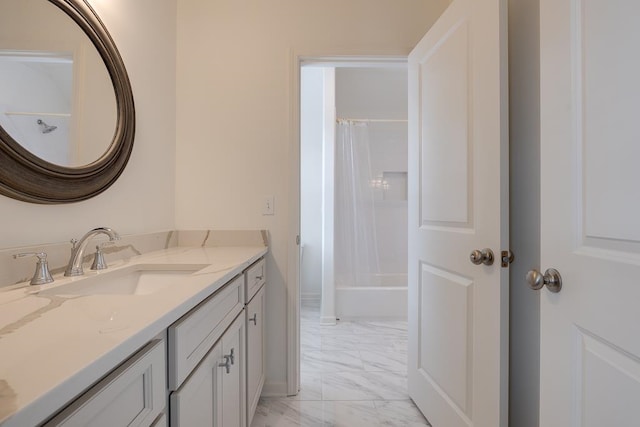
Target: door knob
551, 278
484, 256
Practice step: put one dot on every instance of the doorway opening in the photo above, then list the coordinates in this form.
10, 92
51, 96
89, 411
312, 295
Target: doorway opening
353, 229
353, 186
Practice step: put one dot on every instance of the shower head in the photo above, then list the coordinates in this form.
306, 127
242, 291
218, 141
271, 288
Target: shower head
45, 128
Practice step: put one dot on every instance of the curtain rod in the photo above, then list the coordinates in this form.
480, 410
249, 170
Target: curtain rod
373, 120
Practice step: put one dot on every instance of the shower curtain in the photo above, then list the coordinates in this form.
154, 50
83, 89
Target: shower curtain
356, 246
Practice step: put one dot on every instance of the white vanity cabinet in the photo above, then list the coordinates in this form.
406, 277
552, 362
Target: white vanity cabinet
255, 278
209, 366
134, 394
180, 352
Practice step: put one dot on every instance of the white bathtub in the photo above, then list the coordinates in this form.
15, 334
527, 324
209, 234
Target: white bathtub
386, 298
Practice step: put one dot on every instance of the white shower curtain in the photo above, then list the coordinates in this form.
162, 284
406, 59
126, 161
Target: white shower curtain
356, 246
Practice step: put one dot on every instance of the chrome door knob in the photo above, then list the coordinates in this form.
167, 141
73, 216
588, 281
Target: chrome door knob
551, 278
484, 256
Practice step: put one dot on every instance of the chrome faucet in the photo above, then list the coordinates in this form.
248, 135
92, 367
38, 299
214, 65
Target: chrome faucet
74, 268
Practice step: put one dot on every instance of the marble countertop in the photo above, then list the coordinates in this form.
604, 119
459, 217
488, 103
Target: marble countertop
53, 347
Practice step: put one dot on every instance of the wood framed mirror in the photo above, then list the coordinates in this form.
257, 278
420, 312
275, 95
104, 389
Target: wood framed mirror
26, 172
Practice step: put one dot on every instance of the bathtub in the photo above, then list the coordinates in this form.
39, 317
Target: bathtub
385, 298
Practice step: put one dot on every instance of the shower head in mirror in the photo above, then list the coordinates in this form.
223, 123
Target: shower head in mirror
45, 128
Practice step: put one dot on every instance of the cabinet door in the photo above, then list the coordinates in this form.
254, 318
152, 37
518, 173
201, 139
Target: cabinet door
214, 393
233, 398
191, 337
195, 403
255, 351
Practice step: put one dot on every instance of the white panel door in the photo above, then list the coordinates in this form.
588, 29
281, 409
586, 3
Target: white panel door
590, 212
458, 173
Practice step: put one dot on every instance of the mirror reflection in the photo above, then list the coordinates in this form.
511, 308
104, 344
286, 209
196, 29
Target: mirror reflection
56, 96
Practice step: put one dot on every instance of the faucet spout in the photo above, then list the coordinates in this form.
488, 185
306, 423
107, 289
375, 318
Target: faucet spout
74, 268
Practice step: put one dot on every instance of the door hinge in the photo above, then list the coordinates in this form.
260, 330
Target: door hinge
506, 258
298, 240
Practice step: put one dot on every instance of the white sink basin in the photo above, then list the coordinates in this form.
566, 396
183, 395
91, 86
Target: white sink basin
139, 279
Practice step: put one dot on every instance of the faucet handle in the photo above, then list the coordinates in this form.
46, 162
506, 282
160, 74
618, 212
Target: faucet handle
99, 263
42, 275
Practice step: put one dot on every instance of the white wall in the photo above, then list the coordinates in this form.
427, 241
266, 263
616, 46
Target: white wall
234, 112
311, 138
524, 123
143, 197
372, 92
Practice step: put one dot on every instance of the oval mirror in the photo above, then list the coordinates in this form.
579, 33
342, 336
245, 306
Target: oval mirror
67, 117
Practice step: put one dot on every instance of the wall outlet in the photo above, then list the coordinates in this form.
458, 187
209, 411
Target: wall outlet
267, 206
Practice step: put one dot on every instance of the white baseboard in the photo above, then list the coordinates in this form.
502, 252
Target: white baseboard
310, 297
328, 320
274, 389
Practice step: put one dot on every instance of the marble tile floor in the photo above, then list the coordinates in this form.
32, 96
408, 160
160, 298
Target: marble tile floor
352, 374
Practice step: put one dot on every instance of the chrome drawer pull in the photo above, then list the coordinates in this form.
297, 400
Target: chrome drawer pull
226, 363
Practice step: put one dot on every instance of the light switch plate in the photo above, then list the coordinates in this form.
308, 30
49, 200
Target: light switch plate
267, 206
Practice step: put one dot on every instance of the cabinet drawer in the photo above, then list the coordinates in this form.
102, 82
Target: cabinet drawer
191, 337
132, 395
255, 278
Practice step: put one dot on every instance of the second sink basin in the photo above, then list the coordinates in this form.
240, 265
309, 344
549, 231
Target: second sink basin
138, 279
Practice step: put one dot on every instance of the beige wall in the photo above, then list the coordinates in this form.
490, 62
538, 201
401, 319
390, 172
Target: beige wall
234, 111
143, 199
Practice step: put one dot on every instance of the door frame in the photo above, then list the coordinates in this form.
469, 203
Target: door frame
297, 58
